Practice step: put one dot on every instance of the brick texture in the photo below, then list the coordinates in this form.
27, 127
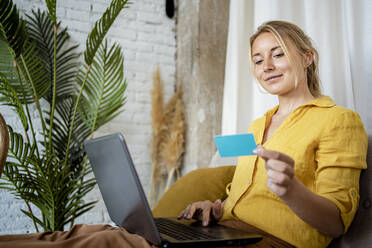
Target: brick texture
148, 39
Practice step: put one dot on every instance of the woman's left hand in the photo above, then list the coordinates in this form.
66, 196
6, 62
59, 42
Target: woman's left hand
279, 169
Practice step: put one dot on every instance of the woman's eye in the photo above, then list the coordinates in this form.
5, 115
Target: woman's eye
258, 62
279, 55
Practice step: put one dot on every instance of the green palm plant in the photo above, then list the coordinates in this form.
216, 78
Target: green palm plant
40, 63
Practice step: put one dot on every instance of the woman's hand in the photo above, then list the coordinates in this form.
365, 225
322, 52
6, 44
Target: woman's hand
279, 169
205, 211
315, 210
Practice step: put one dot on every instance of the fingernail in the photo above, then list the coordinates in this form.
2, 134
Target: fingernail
189, 216
255, 151
205, 223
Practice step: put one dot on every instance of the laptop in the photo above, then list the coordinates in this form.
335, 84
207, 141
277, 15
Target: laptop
127, 205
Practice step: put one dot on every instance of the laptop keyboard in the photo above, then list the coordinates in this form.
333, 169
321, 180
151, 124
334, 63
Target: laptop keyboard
180, 231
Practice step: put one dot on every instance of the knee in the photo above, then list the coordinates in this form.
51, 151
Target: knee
107, 238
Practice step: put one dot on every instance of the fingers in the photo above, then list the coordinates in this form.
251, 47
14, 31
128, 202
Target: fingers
279, 167
278, 178
277, 189
275, 155
204, 211
183, 213
278, 182
217, 210
279, 170
191, 211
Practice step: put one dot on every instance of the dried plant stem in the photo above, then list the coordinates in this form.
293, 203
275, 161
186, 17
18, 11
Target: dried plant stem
152, 191
170, 177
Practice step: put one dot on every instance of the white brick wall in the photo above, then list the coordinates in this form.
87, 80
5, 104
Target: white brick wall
148, 38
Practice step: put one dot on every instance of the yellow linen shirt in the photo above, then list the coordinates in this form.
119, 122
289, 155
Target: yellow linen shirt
329, 146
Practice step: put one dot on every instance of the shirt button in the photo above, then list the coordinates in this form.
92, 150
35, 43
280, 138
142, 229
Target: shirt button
249, 182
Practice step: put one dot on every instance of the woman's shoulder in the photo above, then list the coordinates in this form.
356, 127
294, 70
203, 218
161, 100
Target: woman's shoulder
342, 115
324, 108
338, 120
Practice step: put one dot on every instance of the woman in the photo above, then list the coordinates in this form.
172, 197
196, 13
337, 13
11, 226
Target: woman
302, 187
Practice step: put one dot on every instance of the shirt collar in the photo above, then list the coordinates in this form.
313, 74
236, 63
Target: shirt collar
322, 102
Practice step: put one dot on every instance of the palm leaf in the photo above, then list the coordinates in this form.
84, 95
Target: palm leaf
17, 172
41, 30
33, 183
101, 28
50, 185
79, 210
9, 97
12, 27
34, 218
18, 149
62, 127
51, 4
37, 84
48, 172
7, 64
25, 52
15, 79
94, 41
27, 75
105, 87
25, 180
64, 190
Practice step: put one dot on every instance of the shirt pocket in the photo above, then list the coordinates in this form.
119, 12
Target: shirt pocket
304, 166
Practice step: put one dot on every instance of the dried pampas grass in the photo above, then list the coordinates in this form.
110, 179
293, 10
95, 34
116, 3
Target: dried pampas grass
167, 144
157, 126
173, 146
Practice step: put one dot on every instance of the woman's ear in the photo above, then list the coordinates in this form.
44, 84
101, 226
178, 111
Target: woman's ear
308, 59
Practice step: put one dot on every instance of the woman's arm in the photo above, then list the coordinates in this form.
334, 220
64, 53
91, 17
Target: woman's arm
315, 210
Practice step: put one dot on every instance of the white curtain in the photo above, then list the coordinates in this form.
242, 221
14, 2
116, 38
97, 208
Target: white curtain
341, 31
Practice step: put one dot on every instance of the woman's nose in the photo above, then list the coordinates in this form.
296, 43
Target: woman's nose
268, 65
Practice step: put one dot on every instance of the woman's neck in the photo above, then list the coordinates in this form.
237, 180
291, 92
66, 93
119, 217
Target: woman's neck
289, 102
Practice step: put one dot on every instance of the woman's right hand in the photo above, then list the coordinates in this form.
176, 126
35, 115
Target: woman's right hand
205, 211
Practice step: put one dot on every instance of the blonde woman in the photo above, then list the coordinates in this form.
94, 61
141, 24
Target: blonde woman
302, 188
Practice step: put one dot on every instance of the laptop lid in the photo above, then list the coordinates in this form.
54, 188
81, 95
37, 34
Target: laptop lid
120, 187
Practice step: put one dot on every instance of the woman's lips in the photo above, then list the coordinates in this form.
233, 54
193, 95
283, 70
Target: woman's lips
273, 78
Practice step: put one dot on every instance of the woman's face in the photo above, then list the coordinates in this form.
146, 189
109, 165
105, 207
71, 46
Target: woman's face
272, 67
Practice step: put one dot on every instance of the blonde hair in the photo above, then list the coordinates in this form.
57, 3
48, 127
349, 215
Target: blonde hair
283, 29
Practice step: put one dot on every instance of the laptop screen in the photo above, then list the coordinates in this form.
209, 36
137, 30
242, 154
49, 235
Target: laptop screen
120, 187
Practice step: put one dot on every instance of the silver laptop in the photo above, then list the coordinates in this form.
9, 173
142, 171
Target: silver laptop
127, 205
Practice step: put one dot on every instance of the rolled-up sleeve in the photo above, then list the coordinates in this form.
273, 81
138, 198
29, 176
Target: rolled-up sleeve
341, 156
228, 188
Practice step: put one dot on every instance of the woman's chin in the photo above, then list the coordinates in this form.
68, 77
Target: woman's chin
274, 91
277, 89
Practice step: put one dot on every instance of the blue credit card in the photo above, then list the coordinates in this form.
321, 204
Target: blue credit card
235, 145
